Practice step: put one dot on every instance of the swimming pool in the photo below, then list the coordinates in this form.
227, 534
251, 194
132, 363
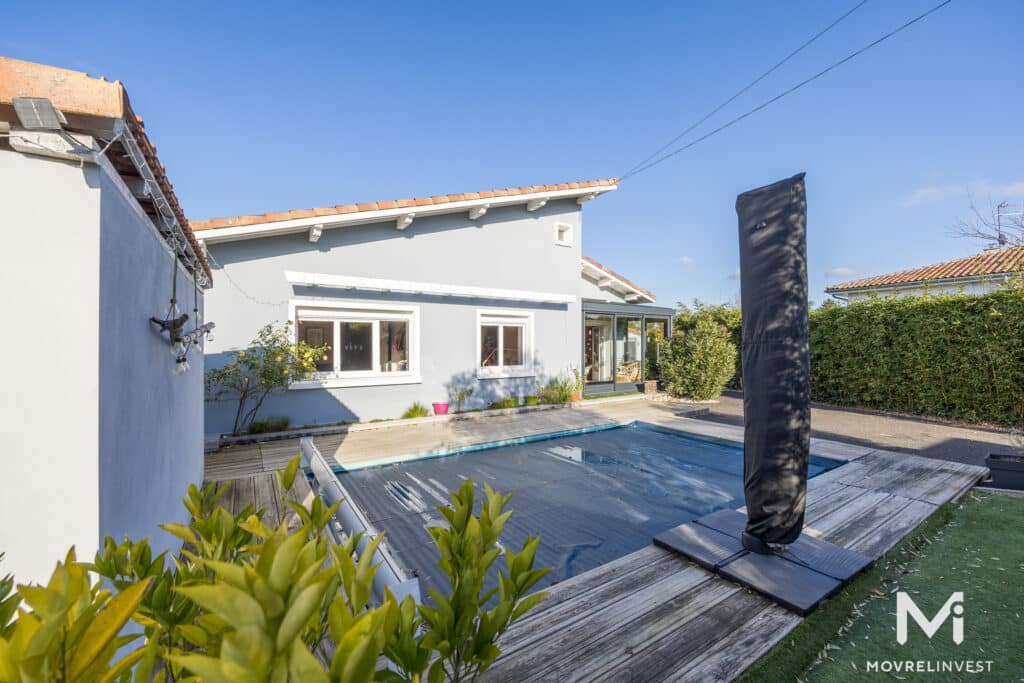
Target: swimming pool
592, 495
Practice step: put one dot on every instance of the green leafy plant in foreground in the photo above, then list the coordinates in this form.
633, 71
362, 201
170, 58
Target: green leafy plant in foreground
246, 601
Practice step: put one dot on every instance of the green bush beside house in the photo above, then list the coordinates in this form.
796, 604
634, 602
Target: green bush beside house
949, 356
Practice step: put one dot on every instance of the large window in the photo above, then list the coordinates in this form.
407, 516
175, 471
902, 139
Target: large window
503, 344
365, 344
628, 348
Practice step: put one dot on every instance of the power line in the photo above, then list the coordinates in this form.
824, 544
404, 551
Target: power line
790, 91
745, 88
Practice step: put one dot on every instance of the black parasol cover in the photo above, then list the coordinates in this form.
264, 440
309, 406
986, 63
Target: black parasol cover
776, 367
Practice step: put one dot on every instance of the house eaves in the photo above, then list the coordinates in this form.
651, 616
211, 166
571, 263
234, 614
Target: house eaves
634, 293
403, 212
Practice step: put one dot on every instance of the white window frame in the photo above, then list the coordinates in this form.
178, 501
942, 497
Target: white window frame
500, 317
568, 242
358, 311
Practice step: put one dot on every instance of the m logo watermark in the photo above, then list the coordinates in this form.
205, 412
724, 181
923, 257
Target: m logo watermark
905, 606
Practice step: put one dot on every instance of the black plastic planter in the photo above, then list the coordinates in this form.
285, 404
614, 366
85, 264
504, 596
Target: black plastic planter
1007, 471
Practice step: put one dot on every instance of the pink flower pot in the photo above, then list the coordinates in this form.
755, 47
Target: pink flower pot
440, 409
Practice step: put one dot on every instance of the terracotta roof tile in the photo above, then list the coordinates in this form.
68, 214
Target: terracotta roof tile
77, 93
611, 272
239, 221
991, 262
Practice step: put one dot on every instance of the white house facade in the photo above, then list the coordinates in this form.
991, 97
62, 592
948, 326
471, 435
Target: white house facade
417, 299
101, 436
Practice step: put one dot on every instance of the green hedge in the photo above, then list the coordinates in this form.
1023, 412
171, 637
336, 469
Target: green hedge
948, 356
952, 356
727, 316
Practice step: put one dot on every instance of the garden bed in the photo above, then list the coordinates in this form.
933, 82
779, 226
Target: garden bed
325, 430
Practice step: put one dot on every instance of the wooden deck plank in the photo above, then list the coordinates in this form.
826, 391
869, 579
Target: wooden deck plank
546, 623
877, 541
688, 642
728, 657
615, 630
267, 499
873, 517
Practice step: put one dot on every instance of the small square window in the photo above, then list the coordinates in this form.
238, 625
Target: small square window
563, 234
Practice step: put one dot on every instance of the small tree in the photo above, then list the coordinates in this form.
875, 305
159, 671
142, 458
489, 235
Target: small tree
272, 362
699, 361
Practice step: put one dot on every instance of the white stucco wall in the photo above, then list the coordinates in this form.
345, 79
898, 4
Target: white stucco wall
509, 248
98, 437
49, 397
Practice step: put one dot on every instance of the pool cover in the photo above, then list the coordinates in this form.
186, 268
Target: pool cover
592, 497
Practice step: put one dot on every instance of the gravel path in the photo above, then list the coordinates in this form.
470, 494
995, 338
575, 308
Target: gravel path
931, 439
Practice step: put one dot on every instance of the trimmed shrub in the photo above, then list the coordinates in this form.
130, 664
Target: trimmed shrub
417, 409
507, 402
531, 400
950, 356
728, 316
699, 361
558, 390
272, 424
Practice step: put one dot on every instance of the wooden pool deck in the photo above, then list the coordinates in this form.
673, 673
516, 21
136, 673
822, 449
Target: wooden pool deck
653, 615
390, 440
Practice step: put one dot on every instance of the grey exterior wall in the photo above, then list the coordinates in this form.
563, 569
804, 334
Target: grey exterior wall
98, 436
509, 248
150, 420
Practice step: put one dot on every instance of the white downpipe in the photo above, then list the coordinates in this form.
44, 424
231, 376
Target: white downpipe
353, 521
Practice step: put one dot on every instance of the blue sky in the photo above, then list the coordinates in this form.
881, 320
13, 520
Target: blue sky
260, 108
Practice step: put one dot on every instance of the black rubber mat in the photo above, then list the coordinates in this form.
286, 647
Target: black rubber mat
793, 586
813, 553
707, 547
797, 576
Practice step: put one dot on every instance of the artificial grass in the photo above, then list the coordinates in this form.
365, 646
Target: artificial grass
612, 395
976, 546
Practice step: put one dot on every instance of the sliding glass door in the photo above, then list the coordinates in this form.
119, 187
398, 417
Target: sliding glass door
628, 350
657, 332
597, 349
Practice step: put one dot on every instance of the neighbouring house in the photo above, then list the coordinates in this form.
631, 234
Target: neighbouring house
979, 274
100, 435
420, 298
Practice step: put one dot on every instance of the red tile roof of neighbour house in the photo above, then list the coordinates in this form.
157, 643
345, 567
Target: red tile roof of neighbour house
615, 275
92, 104
990, 262
341, 209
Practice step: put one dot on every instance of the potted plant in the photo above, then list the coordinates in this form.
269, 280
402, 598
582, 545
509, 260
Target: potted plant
1008, 468
460, 397
440, 408
577, 389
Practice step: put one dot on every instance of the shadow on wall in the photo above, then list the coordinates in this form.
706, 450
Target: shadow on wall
301, 407
487, 391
